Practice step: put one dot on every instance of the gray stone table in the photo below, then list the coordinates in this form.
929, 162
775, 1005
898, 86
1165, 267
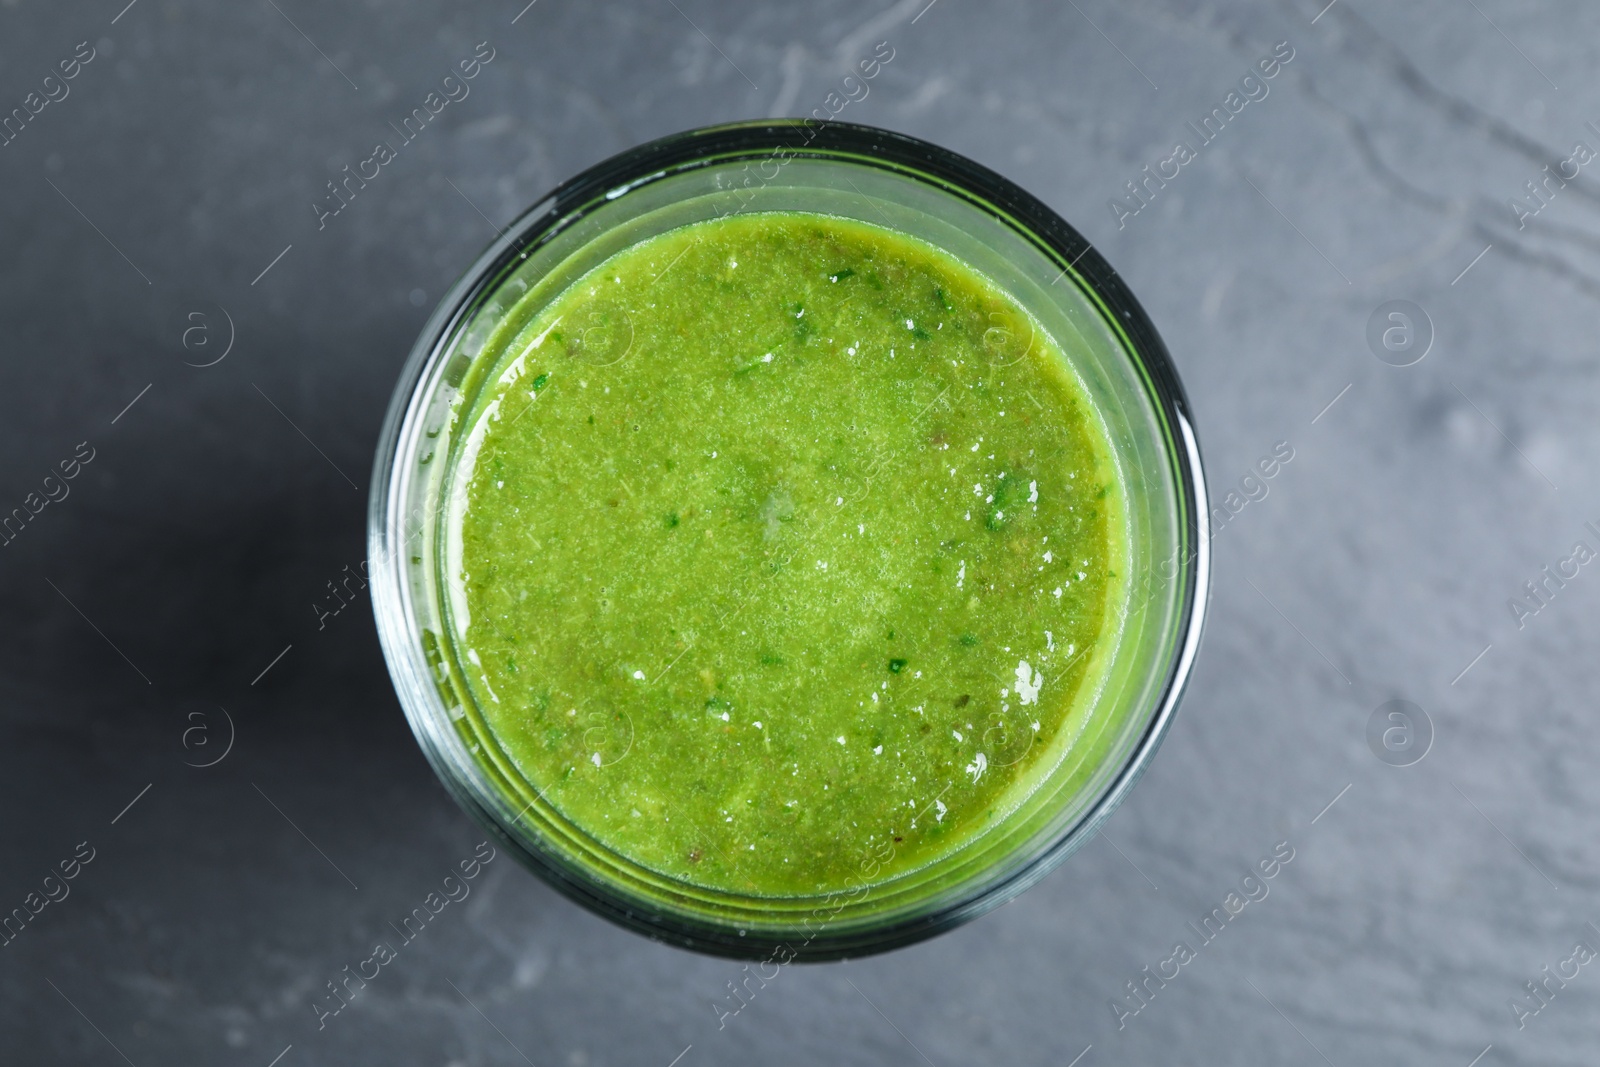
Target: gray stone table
160, 205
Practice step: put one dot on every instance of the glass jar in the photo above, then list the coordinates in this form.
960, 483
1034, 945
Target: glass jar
876, 177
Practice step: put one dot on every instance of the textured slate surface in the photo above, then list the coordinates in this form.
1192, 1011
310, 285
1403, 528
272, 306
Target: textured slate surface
193, 545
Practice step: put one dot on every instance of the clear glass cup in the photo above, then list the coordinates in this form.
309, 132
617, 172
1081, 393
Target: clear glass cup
877, 177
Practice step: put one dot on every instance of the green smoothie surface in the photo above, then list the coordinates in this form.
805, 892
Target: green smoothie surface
779, 541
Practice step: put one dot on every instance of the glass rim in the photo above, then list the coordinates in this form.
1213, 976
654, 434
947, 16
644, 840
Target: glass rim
1030, 219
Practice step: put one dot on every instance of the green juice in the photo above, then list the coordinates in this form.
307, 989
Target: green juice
779, 540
